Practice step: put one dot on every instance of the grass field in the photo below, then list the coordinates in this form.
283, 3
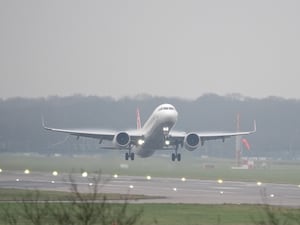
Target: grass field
275, 172
181, 214
209, 214
163, 214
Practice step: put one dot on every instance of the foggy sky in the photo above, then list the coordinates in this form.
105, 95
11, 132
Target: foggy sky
159, 47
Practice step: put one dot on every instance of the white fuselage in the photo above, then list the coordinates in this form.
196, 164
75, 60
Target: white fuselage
156, 129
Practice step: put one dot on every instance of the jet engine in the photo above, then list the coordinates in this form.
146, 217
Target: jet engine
121, 140
191, 141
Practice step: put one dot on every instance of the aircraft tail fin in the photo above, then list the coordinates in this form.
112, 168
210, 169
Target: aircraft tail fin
138, 119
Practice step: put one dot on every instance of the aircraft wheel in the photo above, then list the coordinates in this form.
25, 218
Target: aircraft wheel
173, 157
178, 157
132, 156
126, 156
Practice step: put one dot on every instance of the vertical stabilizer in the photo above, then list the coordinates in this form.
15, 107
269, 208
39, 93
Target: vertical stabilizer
138, 119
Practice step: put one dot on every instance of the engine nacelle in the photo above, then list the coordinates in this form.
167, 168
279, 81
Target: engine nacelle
191, 141
121, 140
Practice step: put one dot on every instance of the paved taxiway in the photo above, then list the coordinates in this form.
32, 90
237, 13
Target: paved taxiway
171, 190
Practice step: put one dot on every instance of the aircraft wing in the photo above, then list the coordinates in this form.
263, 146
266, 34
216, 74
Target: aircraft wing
178, 137
96, 134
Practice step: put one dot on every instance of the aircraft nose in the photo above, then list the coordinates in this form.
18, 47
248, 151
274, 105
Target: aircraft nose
168, 113
172, 114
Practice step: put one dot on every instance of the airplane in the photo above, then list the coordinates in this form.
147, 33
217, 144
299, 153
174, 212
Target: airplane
155, 134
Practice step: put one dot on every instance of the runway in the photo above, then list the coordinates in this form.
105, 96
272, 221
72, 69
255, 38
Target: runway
167, 190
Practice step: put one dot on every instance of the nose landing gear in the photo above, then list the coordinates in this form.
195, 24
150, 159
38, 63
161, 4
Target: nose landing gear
176, 155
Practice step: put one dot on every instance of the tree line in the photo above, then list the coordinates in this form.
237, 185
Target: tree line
278, 124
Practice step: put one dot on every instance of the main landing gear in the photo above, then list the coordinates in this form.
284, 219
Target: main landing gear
176, 156
129, 155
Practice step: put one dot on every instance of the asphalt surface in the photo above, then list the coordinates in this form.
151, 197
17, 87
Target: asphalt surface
169, 190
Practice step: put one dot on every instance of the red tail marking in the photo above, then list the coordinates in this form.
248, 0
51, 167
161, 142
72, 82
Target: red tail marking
138, 119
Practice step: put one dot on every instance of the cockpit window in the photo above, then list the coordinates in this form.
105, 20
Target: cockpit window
166, 108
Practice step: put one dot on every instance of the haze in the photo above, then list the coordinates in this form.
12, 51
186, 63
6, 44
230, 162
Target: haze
165, 48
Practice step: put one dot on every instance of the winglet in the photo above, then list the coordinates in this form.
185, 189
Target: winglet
254, 124
43, 123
